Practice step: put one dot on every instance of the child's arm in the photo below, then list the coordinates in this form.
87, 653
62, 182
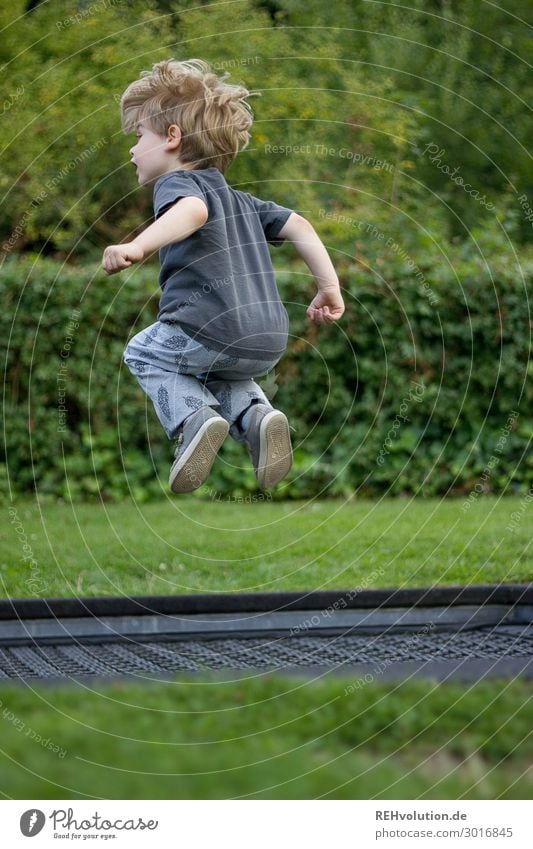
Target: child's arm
183, 219
327, 306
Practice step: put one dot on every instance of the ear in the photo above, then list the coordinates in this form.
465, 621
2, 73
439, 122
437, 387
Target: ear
173, 137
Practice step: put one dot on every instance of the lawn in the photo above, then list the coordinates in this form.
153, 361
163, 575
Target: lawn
268, 737
186, 545
259, 735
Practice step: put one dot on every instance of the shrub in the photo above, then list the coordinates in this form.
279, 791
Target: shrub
421, 388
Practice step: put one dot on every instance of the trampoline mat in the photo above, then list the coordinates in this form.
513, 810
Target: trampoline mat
484, 651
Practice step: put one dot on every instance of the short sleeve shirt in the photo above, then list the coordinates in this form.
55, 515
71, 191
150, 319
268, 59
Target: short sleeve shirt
219, 283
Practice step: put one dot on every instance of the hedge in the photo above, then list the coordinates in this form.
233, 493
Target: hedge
421, 388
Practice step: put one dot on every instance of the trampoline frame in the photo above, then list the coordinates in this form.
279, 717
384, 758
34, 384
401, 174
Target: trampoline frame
377, 614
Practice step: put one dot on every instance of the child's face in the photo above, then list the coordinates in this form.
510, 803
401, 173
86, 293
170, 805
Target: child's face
151, 155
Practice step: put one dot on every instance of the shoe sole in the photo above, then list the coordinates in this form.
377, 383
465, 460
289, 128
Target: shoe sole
192, 469
275, 450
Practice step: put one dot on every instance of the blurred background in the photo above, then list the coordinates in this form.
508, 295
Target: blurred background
400, 133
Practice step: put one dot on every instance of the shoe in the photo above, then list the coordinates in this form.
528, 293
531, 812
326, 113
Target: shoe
268, 440
200, 439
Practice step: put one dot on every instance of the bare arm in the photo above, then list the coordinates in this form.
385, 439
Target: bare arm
327, 306
182, 219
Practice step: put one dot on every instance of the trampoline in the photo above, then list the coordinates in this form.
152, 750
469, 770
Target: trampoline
463, 633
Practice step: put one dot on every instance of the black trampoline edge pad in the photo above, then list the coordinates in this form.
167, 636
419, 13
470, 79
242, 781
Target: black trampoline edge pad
357, 598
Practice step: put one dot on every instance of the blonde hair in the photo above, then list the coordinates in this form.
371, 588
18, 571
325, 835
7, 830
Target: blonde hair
212, 114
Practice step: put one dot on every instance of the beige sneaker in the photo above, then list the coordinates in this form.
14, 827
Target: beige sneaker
268, 440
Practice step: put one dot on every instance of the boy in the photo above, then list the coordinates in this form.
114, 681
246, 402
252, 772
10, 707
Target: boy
220, 322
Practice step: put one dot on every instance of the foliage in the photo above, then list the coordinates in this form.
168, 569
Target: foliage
63, 153
351, 98
420, 388
460, 70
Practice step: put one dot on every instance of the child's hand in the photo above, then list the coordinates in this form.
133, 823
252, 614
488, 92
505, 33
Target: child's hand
118, 257
326, 307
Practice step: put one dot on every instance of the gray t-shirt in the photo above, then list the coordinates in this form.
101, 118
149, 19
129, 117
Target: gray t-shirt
218, 283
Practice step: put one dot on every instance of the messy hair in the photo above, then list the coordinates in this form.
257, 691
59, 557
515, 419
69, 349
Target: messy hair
212, 114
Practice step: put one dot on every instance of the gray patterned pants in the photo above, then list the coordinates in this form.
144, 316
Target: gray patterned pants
180, 375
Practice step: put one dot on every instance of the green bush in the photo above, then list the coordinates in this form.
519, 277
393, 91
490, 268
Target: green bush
69, 189
421, 388
351, 108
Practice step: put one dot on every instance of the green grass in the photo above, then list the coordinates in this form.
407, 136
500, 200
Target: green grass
264, 736
185, 545
268, 737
